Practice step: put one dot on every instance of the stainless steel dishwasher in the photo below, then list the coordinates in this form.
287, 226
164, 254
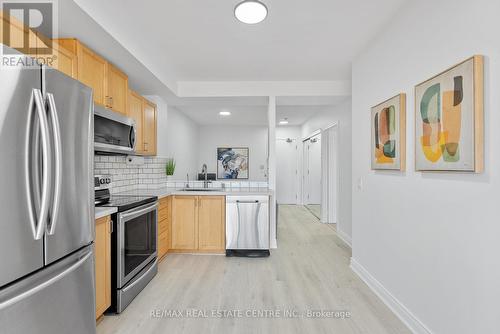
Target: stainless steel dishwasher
247, 226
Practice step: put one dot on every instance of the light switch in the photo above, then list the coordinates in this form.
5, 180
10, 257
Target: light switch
360, 183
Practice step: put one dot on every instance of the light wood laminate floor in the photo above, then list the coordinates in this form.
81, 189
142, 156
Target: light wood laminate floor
309, 271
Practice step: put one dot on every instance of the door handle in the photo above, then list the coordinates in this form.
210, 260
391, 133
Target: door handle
38, 223
58, 162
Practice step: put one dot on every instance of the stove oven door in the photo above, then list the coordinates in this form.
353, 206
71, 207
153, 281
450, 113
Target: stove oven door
136, 241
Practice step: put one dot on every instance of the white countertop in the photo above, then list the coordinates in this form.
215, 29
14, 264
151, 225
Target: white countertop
163, 192
104, 211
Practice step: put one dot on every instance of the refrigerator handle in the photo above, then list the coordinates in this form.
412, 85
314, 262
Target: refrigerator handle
56, 131
38, 224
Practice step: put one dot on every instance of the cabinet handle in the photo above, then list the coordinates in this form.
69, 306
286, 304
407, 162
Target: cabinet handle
108, 102
110, 226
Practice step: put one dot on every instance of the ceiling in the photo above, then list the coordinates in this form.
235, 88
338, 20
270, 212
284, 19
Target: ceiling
252, 111
193, 40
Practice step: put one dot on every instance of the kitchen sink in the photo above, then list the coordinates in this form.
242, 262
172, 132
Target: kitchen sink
201, 189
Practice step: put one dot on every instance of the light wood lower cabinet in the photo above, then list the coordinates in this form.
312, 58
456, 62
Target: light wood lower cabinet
198, 224
102, 249
164, 219
211, 223
184, 222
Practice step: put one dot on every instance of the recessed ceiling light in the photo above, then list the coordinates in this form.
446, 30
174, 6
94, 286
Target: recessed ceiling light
250, 11
284, 121
225, 113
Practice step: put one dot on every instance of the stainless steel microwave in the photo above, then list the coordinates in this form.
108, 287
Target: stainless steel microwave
113, 132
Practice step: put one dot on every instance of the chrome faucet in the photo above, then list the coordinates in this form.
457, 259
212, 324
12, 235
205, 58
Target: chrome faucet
187, 180
204, 170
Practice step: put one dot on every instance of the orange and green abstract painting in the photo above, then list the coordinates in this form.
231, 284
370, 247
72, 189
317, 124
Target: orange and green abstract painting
445, 121
386, 134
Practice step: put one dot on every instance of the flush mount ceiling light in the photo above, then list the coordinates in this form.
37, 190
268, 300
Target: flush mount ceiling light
250, 11
225, 113
284, 121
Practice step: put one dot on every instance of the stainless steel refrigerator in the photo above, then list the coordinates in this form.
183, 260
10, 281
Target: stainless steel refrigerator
46, 203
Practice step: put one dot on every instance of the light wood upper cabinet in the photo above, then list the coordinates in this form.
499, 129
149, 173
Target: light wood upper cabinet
59, 57
135, 112
185, 222
56, 56
211, 223
116, 89
102, 251
110, 85
145, 115
149, 125
17, 34
92, 71
198, 223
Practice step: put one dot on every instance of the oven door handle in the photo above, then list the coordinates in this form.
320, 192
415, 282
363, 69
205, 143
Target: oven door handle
131, 214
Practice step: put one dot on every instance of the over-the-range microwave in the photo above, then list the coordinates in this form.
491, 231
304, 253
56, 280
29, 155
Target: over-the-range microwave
113, 132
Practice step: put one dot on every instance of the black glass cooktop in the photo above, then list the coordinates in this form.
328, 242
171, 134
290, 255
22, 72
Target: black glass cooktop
127, 202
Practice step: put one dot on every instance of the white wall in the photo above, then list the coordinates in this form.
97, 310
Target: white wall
177, 138
432, 240
253, 137
340, 114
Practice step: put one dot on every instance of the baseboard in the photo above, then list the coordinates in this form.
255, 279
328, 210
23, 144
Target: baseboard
344, 237
412, 322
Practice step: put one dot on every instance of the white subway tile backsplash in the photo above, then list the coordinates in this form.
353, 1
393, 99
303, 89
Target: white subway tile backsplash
151, 175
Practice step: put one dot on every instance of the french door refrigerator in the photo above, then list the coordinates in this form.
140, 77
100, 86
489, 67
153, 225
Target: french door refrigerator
46, 203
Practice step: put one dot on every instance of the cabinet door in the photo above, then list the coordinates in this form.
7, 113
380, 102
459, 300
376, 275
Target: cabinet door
60, 58
92, 72
149, 121
184, 222
135, 112
17, 34
116, 89
102, 246
211, 226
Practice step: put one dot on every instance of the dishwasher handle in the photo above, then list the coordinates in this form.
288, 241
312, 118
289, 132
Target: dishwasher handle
248, 202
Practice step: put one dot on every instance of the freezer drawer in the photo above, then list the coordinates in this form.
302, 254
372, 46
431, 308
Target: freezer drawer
57, 299
247, 222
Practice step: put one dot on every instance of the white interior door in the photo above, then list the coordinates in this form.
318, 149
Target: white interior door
286, 172
314, 171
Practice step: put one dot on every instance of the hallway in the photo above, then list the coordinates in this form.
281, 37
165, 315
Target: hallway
309, 271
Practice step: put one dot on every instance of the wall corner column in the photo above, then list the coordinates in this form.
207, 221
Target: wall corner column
271, 167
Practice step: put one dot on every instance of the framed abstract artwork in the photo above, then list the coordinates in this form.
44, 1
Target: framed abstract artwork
449, 119
388, 124
232, 163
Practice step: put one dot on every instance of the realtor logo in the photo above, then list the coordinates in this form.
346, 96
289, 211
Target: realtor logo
35, 15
